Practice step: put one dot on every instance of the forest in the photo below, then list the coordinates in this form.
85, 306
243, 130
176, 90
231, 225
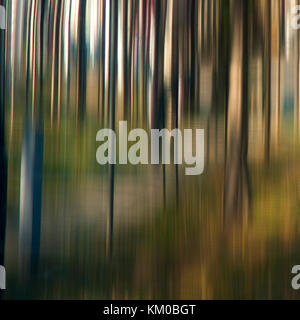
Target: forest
71, 68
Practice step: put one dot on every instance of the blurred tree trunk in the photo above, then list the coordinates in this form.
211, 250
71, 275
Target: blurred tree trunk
30, 196
81, 60
60, 61
130, 57
236, 187
113, 65
69, 57
222, 89
278, 87
3, 160
194, 52
175, 62
142, 40
32, 168
55, 60
175, 85
103, 58
158, 98
125, 57
297, 83
267, 81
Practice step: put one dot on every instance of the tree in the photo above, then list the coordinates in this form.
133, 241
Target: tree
236, 187
3, 160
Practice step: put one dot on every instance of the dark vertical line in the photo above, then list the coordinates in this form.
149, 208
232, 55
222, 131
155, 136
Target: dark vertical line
245, 178
38, 162
37, 197
125, 56
113, 67
268, 84
164, 186
69, 62
81, 60
245, 79
28, 56
42, 56
225, 8
143, 44
130, 53
280, 22
56, 52
283, 23
103, 58
193, 27
99, 64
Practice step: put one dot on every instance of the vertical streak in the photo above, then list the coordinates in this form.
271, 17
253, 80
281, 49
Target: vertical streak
53, 83
34, 55
3, 160
81, 60
268, 83
113, 67
103, 42
60, 49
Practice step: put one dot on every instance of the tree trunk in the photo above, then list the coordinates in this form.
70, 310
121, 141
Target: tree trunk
236, 189
3, 160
